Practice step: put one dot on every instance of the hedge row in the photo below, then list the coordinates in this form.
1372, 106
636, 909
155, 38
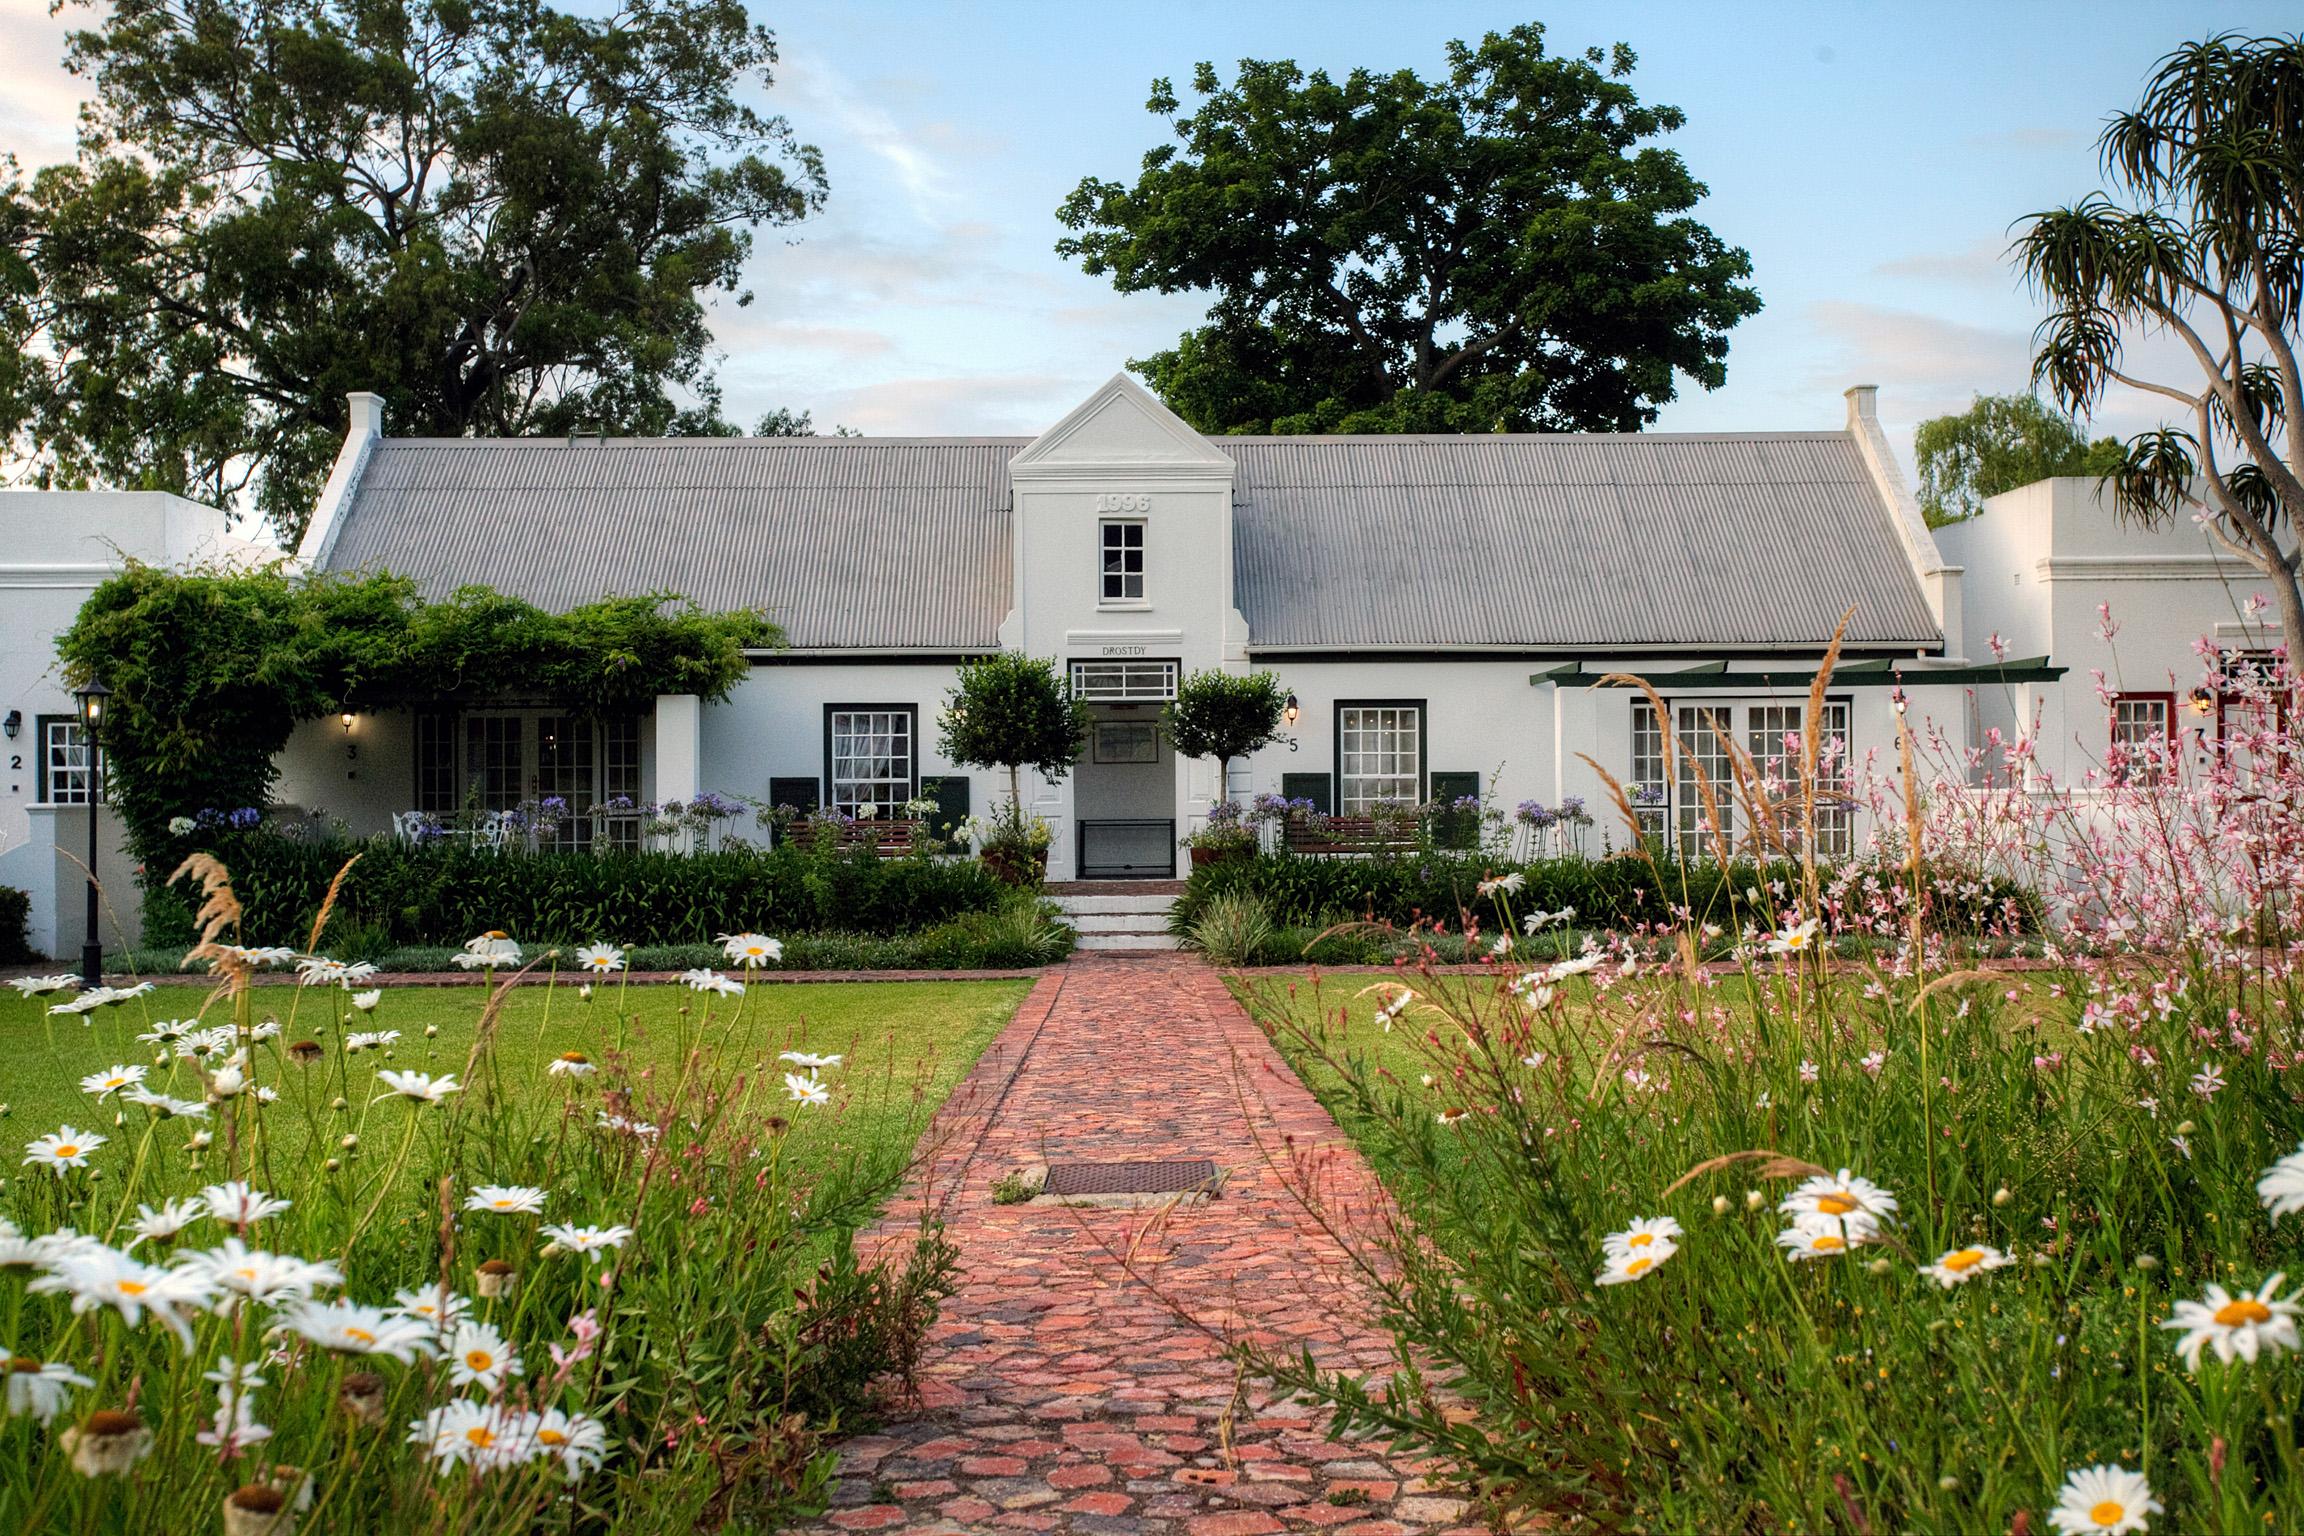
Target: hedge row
1618, 893
15, 925
401, 895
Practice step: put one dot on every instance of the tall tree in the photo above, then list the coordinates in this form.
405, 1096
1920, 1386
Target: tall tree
502, 217
1999, 443
1498, 250
2209, 250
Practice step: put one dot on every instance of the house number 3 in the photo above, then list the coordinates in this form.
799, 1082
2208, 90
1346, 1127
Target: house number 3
1123, 503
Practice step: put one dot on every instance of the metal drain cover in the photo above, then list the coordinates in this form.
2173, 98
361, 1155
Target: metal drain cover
1174, 1178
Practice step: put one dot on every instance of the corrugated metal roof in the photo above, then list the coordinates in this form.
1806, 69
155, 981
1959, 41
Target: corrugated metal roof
882, 543
1348, 543
1568, 541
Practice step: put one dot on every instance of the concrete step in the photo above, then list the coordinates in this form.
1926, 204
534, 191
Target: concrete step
1140, 942
1121, 922
1081, 906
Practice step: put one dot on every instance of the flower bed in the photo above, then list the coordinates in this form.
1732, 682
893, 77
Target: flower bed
435, 1262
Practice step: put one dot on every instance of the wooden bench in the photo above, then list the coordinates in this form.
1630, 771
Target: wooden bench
888, 839
1334, 836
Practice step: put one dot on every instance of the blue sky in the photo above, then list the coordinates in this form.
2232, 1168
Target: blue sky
1871, 158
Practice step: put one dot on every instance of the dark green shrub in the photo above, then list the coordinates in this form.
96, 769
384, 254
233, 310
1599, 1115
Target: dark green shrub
401, 894
15, 926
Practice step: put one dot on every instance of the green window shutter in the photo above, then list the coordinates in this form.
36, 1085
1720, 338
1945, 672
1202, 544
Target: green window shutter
1309, 786
950, 793
1456, 829
798, 793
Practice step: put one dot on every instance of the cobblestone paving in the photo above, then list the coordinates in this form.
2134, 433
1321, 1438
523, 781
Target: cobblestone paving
1059, 1392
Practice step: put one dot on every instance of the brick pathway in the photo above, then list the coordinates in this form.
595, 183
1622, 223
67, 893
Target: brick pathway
1061, 1394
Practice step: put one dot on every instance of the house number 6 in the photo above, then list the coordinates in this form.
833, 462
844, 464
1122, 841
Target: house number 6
1123, 503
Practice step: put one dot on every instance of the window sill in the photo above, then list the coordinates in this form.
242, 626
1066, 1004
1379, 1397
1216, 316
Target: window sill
1130, 606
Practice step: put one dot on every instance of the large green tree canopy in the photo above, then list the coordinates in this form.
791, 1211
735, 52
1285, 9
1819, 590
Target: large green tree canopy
502, 217
1999, 443
1499, 250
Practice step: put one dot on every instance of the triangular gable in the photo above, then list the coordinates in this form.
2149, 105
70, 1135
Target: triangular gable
1121, 426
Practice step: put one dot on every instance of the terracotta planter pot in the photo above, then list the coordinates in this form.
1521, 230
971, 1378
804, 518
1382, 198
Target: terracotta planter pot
1203, 857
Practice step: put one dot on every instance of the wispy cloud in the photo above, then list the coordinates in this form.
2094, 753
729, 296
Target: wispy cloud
817, 93
1981, 264
972, 405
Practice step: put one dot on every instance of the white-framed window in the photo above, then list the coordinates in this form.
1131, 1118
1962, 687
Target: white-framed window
1379, 755
1124, 682
869, 756
1835, 785
1645, 785
1703, 752
65, 773
1120, 543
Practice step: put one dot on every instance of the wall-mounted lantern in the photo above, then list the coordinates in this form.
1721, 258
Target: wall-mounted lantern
1289, 711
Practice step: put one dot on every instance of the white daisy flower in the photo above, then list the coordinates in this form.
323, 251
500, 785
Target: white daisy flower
369, 1040
421, 1086
438, 1307
639, 1128
2103, 1501
1815, 1237
260, 1276
39, 1388
1964, 1264
1509, 884
166, 1106
1795, 940
65, 1147
352, 1329
2282, 1186
1645, 1233
482, 1436
1625, 1267
2244, 1323
266, 954
36, 986
750, 950
488, 950
365, 1002
206, 1044
508, 1199
318, 971
477, 1355
600, 959
107, 1083
806, 1090
162, 1223
1553, 975
592, 1242
811, 1061
1454, 1114
1394, 1005
240, 1204
571, 1064
168, 1030
98, 1277
1840, 1195
578, 1443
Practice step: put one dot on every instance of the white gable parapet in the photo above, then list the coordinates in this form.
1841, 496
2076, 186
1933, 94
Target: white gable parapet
363, 429
1939, 578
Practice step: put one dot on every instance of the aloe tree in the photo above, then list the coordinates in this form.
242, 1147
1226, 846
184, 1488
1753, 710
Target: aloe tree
2209, 249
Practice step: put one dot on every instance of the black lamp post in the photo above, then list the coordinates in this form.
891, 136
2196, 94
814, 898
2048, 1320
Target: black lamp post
92, 699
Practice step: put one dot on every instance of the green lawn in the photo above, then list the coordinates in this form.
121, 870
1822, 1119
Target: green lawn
907, 1045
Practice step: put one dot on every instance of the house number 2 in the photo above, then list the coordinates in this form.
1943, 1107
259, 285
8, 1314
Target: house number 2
1123, 503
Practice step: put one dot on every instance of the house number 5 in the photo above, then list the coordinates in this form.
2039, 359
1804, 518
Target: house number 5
1123, 503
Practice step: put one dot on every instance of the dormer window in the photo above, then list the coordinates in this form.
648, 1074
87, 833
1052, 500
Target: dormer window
1123, 561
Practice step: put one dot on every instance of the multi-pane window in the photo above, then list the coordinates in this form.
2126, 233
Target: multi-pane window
2143, 732
870, 751
1123, 561
564, 773
436, 764
1835, 785
1645, 785
1773, 741
1704, 751
494, 764
1124, 682
1379, 756
517, 759
65, 775
620, 781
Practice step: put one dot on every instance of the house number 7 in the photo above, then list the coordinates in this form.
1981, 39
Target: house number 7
1123, 503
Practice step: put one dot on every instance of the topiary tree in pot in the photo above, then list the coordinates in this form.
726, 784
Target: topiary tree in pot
1012, 711
1224, 715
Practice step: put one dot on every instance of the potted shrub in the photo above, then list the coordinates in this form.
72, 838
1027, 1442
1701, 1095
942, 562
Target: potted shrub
1009, 711
1224, 715
1229, 834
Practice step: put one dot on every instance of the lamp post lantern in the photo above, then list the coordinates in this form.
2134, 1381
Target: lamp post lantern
92, 698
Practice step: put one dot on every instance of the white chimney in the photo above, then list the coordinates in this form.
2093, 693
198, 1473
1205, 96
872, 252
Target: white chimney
367, 414
1863, 403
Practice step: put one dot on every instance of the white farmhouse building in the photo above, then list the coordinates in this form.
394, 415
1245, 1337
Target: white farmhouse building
1439, 607
55, 547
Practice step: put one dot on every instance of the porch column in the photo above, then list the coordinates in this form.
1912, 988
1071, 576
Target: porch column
679, 746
